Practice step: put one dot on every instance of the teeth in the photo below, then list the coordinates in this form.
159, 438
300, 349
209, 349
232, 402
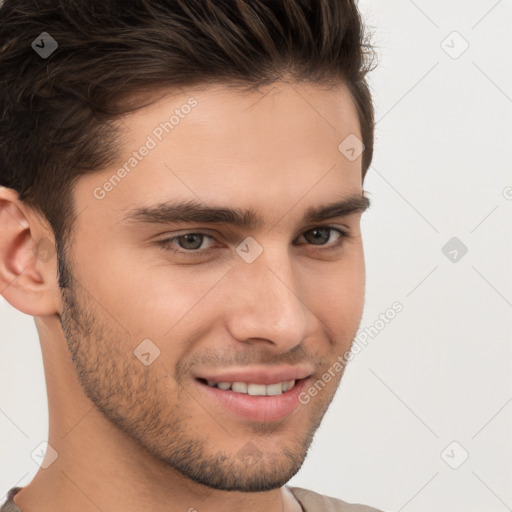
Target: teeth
255, 389
239, 387
287, 385
275, 389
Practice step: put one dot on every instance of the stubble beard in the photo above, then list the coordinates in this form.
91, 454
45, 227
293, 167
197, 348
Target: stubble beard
130, 395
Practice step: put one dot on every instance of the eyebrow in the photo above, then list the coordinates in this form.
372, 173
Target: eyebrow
192, 211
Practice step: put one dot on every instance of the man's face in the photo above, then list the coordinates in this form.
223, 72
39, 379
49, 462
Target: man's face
257, 304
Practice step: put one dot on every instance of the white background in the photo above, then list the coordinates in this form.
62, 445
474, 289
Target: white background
441, 370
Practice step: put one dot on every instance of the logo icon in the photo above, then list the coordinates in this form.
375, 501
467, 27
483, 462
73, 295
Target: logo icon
44, 455
455, 455
44, 45
44, 250
454, 249
146, 352
352, 147
249, 249
249, 454
454, 45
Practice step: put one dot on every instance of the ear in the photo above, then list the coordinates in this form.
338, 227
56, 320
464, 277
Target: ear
28, 258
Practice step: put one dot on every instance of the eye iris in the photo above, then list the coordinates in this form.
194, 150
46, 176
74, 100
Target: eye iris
322, 231
187, 238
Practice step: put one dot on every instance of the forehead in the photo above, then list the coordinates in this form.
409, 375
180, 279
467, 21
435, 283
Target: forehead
284, 106
268, 148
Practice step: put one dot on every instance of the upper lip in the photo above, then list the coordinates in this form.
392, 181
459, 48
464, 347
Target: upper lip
258, 375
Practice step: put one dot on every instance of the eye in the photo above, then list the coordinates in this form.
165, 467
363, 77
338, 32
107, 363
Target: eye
323, 234
191, 243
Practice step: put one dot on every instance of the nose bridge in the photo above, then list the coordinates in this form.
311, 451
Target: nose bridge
268, 304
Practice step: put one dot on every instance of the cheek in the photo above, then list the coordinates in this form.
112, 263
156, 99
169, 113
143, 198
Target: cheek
146, 293
339, 295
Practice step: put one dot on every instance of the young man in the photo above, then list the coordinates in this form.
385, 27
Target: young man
180, 213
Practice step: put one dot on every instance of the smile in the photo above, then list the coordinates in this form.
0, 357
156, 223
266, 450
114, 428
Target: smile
272, 401
254, 389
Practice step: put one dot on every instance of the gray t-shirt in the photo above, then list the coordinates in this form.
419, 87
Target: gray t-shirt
310, 502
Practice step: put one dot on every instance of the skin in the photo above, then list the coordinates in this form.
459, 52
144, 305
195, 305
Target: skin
130, 436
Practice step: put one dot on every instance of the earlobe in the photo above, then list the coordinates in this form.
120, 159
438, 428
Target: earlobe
28, 266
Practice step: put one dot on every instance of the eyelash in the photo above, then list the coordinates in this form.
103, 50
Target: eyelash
167, 245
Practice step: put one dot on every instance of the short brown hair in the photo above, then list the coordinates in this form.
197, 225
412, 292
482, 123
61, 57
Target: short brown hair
57, 113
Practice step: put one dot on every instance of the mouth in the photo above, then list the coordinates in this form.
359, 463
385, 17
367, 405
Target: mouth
255, 401
252, 388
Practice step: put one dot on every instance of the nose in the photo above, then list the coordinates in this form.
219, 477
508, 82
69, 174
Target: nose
266, 306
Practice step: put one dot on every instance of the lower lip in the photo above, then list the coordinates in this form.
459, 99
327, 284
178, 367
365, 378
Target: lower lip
258, 408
